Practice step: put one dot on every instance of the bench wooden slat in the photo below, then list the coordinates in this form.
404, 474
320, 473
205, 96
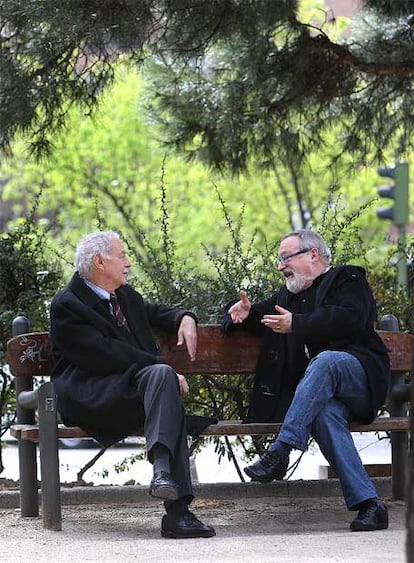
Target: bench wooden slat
222, 428
236, 428
218, 353
30, 354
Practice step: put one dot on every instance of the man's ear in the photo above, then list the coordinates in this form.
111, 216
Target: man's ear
98, 262
314, 253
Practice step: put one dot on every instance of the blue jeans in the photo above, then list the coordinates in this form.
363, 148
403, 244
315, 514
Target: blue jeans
333, 391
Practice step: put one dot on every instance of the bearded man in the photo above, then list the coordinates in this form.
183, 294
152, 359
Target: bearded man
321, 365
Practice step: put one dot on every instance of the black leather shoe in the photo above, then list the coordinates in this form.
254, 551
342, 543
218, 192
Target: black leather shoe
268, 467
163, 486
185, 526
372, 516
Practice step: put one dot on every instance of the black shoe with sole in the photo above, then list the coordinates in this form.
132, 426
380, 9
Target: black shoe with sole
181, 526
268, 468
163, 486
372, 516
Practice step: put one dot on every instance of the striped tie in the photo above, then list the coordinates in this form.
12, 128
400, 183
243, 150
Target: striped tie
116, 310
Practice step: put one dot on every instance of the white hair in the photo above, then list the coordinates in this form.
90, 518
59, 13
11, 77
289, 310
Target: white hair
89, 246
310, 239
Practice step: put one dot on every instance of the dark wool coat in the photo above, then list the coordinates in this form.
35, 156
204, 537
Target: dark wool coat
95, 360
343, 319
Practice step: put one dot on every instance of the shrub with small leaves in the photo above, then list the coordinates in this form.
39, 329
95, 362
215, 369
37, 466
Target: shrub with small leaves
28, 281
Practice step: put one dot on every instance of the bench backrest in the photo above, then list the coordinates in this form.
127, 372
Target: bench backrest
217, 353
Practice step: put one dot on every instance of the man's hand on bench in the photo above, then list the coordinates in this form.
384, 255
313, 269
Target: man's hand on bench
187, 334
182, 382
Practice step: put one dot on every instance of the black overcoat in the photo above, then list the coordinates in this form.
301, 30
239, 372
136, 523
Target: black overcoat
96, 360
343, 319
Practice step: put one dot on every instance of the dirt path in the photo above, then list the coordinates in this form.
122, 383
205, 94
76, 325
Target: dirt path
248, 530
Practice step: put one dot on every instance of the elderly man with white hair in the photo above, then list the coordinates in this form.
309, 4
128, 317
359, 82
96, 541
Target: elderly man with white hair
110, 378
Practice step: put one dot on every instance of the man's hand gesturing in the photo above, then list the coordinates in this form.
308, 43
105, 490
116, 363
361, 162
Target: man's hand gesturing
240, 310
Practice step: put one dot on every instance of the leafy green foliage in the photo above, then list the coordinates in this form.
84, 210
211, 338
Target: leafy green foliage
392, 299
390, 7
231, 79
109, 170
276, 93
238, 79
28, 280
238, 266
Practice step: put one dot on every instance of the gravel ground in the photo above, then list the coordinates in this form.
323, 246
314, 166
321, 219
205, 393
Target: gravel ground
248, 530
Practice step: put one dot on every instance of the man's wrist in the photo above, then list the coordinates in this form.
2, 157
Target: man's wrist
191, 315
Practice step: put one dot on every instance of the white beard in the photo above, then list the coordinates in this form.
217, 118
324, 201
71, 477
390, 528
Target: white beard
296, 283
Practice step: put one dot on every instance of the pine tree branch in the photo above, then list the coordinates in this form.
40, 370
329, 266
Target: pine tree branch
344, 56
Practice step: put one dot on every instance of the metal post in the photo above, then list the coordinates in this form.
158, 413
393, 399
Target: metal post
389, 322
399, 451
49, 458
20, 325
402, 277
410, 487
399, 440
29, 501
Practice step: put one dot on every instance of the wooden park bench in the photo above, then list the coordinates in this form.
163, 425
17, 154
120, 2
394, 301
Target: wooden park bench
29, 357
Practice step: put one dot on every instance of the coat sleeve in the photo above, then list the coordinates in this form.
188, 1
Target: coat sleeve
346, 311
164, 317
80, 337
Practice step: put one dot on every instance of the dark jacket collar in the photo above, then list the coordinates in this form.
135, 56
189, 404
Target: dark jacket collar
81, 290
329, 278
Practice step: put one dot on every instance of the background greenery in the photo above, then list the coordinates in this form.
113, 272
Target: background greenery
277, 126
231, 79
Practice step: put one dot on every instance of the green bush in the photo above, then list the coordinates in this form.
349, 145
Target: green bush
242, 266
28, 280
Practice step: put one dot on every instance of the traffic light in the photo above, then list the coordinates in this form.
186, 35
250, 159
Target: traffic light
398, 192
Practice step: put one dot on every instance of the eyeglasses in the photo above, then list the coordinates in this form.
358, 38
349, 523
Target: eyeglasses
285, 258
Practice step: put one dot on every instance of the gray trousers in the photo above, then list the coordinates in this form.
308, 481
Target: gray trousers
165, 420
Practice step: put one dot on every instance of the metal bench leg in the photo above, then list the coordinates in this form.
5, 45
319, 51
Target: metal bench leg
399, 452
399, 455
49, 458
410, 487
399, 440
29, 497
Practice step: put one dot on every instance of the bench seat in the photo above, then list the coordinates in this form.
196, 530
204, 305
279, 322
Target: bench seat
30, 432
29, 357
